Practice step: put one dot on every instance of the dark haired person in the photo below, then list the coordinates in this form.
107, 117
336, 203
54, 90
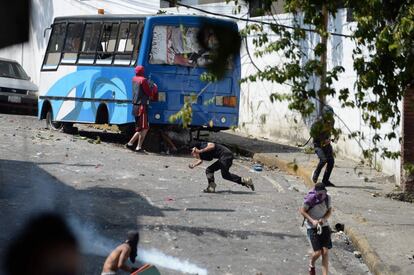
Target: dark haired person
45, 246
209, 151
118, 257
316, 210
321, 132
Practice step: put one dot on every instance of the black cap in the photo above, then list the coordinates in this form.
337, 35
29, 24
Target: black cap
320, 187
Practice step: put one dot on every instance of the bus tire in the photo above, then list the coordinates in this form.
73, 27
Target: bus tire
55, 126
69, 129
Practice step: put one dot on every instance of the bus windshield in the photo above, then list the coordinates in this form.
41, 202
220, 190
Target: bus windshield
178, 45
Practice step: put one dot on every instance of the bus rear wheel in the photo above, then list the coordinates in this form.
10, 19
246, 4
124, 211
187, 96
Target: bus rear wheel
50, 124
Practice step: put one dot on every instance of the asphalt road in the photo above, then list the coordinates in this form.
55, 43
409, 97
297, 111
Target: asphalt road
104, 190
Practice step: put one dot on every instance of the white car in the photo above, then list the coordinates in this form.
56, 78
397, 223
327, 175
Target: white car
16, 89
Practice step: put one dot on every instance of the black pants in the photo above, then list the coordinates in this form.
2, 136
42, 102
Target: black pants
224, 165
325, 155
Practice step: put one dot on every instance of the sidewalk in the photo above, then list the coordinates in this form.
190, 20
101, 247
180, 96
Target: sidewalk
381, 229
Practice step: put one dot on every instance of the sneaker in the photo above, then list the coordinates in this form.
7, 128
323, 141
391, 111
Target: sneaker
141, 151
248, 182
211, 188
312, 270
328, 184
128, 146
313, 178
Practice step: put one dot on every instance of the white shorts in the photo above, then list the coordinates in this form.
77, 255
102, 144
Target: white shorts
109, 273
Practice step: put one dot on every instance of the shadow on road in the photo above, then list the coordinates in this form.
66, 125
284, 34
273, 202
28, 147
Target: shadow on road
252, 145
26, 189
199, 231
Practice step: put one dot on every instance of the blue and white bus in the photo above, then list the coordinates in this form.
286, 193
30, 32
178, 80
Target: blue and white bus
86, 75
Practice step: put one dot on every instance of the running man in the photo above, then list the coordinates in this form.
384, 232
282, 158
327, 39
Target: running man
143, 90
209, 151
118, 257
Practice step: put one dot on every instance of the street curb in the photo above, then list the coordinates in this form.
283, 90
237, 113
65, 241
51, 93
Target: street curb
370, 257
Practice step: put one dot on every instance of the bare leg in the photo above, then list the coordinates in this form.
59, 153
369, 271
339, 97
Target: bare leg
168, 141
325, 261
133, 139
314, 257
141, 138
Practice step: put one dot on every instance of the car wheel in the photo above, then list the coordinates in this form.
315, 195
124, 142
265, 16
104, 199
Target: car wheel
50, 124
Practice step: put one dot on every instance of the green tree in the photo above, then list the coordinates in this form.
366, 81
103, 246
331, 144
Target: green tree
383, 59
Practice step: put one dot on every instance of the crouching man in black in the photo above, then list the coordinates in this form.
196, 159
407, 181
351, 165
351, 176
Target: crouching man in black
209, 151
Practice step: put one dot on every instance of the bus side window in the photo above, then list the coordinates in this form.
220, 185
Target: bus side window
137, 43
126, 43
72, 43
90, 43
55, 47
107, 43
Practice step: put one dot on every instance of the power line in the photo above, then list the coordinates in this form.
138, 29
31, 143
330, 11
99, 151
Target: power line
258, 21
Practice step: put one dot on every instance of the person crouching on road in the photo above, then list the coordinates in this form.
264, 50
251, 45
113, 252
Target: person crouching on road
143, 90
118, 257
316, 210
209, 151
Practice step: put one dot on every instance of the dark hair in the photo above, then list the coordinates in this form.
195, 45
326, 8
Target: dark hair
44, 231
195, 143
132, 241
320, 187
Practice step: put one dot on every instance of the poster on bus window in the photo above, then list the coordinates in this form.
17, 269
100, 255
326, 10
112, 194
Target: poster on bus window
177, 45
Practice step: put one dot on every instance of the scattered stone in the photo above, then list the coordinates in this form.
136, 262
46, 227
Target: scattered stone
295, 189
166, 166
245, 249
357, 254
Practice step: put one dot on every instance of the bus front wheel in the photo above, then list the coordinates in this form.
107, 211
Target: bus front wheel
50, 124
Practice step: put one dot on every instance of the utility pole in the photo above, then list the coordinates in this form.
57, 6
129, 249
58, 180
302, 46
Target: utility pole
324, 42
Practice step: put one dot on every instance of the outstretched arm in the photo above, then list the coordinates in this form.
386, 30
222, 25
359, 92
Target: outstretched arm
195, 164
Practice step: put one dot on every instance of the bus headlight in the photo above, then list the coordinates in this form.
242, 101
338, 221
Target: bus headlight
223, 120
162, 96
157, 116
227, 101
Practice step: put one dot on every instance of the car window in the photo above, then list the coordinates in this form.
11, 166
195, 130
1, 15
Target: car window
20, 73
12, 70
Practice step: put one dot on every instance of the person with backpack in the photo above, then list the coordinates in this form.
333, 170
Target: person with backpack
316, 210
142, 91
321, 133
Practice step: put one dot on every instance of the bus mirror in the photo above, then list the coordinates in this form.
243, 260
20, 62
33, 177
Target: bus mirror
44, 31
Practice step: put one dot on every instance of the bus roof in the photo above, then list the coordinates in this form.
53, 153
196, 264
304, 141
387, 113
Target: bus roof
110, 17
